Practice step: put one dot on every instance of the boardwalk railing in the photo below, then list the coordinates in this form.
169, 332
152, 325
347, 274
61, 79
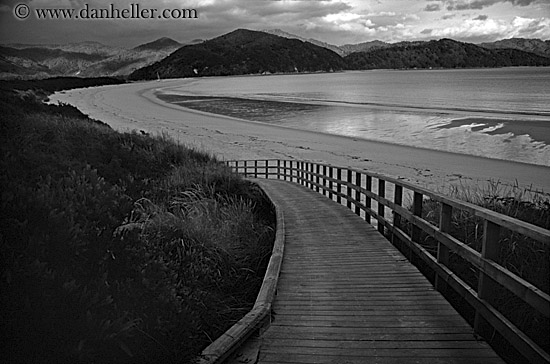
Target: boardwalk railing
360, 190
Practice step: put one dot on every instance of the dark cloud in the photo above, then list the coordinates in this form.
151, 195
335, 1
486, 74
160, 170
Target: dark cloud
427, 31
481, 17
11, 3
432, 7
215, 18
480, 4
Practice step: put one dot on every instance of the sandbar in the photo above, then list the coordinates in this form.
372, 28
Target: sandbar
134, 106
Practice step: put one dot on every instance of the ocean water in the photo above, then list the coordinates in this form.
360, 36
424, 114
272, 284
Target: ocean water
496, 113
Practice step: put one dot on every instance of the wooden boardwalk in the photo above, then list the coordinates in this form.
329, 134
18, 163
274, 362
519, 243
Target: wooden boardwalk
346, 295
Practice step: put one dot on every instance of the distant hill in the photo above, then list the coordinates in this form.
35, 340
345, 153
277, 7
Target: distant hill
364, 47
22, 69
85, 59
159, 44
343, 50
243, 52
282, 33
537, 46
444, 53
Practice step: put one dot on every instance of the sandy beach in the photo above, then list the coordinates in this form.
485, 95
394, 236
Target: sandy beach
134, 107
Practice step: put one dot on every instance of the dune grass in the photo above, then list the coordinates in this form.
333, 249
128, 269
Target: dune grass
521, 255
119, 247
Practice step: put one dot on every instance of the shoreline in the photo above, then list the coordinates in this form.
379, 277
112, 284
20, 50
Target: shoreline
123, 107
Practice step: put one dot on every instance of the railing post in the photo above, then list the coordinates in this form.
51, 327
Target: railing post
266, 169
368, 187
255, 168
288, 172
417, 211
278, 169
445, 217
324, 180
381, 193
398, 200
348, 189
306, 170
486, 286
339, 184
311, 172
357, 193
317, 170
330, 182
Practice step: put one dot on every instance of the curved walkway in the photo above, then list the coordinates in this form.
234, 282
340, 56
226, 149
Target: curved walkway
346, 295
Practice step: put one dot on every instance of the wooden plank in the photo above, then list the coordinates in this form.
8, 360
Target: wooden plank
390, 305
412, 343
372, 337
360, 311
339, 322
285, 358
406, 353
341, 332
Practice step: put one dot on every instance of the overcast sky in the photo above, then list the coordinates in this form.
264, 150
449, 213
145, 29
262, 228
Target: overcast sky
333, 21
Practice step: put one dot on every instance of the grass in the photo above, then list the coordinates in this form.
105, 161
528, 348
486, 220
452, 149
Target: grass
522, 256
119, 247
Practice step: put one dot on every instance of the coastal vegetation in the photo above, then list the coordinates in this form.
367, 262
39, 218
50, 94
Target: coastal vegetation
118, 247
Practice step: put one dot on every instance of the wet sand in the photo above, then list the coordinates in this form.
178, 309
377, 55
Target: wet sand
537, 130
135, 107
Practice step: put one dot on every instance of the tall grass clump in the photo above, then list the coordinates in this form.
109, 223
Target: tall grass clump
119, 248
519, 254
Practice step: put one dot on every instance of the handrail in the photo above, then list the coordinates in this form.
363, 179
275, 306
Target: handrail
357, 190
228, 342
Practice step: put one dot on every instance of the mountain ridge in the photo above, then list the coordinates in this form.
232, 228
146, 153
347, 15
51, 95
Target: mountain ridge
242, 52
531, 45
159, 44
536, 46
85, 59
93, 59
443, 53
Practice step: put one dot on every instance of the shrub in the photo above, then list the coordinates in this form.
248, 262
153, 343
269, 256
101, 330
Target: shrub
119, 247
